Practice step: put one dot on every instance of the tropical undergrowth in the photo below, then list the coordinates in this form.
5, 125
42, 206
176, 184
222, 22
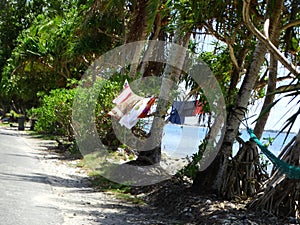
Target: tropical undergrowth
54, 114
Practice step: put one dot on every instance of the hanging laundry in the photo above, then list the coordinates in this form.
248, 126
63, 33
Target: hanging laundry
147, 108
125, 94
175, 117
130, 107
124, 103
198, 108
182, 109
129, 120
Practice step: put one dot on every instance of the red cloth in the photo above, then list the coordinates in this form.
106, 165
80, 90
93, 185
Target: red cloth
198, 109
147, 109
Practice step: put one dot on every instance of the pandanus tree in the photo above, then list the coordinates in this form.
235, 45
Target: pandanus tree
280, 194
249, 55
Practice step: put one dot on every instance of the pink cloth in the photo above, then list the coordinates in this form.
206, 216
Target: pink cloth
129, 120
129, 107
124, 103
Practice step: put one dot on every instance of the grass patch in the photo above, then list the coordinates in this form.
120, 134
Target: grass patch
43, 136
92, 162
121, 191
8, 124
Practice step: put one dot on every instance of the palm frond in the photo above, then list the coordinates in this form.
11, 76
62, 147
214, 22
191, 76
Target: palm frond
113, 4
151, 10
267, 109
289, 124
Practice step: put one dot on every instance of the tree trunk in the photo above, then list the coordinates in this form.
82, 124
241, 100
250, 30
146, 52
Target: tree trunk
236, 75
269, 98
273, 69
140, 28
152, 156
219, 171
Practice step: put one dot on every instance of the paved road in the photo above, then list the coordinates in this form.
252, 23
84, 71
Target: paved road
37, 187
23, 188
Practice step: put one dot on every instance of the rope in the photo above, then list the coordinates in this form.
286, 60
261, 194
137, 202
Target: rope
292, 172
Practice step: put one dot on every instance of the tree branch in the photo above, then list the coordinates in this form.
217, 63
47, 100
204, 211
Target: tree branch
287, 88
228, 42
265, 40
290, 24
113, 36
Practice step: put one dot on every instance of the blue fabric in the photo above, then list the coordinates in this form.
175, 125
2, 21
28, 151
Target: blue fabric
175, 117
181, 109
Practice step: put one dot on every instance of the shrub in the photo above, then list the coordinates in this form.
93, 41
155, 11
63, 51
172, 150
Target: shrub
54, 114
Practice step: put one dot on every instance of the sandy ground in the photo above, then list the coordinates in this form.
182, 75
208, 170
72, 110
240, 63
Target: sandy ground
78, 202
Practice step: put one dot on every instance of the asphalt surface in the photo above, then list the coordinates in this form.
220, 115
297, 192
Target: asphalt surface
24, 190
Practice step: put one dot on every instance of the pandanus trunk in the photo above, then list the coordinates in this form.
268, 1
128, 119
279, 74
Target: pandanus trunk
212, 178
280, 194
215, 177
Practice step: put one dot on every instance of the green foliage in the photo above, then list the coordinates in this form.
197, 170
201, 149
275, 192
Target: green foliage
192, 168
54, 114
44, 43
16, 16
108, 91
263, 159
42, 59
268, 141
12, 22
220, 64
101, 29
151, 11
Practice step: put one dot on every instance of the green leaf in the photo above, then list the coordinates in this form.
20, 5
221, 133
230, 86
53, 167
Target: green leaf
267, 109
295, 43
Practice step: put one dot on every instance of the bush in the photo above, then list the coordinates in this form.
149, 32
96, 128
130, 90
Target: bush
54, 114
100, 95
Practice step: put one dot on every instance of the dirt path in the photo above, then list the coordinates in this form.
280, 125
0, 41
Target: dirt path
80, 204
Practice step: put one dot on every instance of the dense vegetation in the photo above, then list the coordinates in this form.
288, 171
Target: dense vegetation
46, 47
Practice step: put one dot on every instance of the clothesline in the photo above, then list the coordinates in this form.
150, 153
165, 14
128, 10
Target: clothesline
131, 107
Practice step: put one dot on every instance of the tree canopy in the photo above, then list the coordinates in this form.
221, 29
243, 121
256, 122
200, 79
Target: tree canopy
46, 47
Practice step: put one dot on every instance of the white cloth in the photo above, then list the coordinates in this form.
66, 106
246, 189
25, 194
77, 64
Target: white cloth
129, 107
124, 103
129, 120
125, 94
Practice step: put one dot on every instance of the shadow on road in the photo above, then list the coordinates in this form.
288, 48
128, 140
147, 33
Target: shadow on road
56, 181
